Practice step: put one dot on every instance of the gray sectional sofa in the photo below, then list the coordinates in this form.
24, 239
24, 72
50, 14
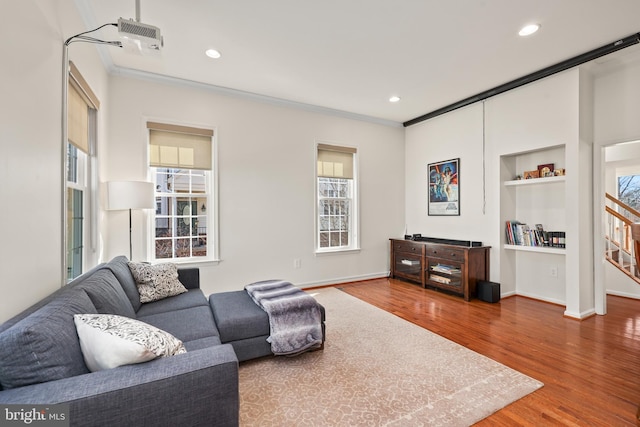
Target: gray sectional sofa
41, 361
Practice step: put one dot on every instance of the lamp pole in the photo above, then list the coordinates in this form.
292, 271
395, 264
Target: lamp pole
130, 246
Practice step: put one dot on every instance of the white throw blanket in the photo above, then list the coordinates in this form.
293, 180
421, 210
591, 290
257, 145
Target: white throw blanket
294, 316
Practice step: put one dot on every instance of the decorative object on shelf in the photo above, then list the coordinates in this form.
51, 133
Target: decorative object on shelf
531, 174
444, 188
557, 239
559, 172
545, 170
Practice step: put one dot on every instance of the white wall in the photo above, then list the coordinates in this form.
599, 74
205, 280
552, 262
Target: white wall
601, 110
517, 121
532, 118
537, 116
266, 182
618, 283
453, 135
616, 112
31, 145
617, 105
31, 159
262, 230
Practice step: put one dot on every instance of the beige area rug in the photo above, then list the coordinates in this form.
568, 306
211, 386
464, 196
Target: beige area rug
376, 369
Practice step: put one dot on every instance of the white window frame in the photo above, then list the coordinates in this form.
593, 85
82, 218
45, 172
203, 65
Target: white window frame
81, 184
86, 177
212, 209
354, 220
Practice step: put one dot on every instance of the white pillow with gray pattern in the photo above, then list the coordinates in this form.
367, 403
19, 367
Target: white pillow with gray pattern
156, 282
108, 341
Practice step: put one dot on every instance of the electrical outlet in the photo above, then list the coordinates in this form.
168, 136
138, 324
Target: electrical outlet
553, 271
297, 263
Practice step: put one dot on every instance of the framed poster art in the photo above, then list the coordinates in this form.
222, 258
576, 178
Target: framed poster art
444, 188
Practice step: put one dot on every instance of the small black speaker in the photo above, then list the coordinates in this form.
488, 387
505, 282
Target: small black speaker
488, 291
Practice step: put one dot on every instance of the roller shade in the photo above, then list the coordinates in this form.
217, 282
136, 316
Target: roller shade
80, 98
172, 146
77, 119
335, 161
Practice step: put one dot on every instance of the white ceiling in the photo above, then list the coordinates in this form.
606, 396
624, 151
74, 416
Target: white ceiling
352, 55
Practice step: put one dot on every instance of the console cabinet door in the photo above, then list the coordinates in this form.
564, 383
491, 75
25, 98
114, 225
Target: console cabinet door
445, 274
407, 260
409, 266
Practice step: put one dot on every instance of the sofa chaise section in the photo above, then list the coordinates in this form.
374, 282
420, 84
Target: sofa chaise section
197, 388
41, 361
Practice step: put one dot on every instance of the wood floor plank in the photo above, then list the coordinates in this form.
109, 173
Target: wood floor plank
590, 368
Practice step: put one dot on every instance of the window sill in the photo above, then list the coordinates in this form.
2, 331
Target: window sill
190, 262
323, 252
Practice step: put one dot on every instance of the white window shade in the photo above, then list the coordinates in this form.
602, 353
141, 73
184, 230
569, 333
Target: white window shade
179, 146
77, 120
335, 162
80, 99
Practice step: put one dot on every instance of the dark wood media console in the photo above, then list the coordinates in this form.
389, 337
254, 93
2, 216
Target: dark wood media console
449, 267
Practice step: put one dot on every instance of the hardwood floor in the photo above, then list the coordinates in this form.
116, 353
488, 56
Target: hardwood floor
590, 368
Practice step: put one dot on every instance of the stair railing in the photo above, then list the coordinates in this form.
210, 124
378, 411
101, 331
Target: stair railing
619, 245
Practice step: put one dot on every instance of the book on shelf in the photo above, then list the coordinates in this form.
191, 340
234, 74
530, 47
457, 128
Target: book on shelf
544, 236
511, 239
439, 279
520, 234
446, 269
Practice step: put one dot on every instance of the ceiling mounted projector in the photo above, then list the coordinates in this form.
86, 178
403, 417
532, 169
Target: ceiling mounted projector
144, 35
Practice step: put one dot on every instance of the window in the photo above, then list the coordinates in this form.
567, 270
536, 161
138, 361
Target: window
336, 222
76, 189
80, 194
629, 190
181, 163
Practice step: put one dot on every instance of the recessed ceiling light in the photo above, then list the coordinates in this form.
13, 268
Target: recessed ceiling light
212, 53
394, 99
527, 30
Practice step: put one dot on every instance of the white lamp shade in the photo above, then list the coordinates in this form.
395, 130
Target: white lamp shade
122, 195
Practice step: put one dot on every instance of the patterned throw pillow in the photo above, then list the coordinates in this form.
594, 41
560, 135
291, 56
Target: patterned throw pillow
156, 282
108, 341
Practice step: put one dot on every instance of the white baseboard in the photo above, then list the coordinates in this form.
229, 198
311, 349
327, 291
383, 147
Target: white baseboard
623, 294
538, 297
580, 316
338, 280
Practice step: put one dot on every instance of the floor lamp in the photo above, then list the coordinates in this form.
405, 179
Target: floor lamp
123, 195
